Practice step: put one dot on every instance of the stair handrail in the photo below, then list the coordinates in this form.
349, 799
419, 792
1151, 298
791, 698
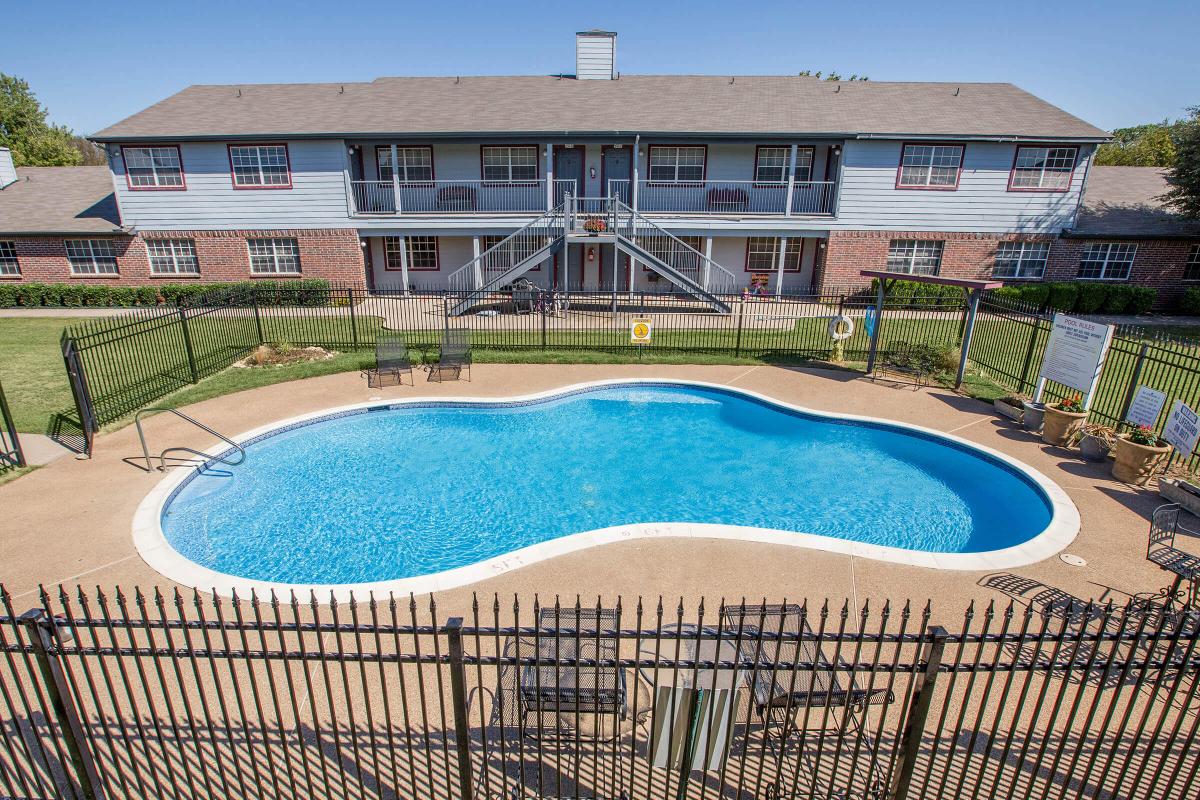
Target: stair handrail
162, 462
726, 279
457, 280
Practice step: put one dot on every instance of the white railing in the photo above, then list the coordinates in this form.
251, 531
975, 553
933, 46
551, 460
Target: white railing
672, 251
726, 197
453, 196
485, 270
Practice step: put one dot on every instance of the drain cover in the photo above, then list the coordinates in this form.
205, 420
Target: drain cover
1073, 560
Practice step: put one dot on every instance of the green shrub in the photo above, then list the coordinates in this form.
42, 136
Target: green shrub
308, 292
145, 296
1141, 299
1190, 302
912, 293
8, 295
1119, 297
31, 294
1091, 297
1034, 294
1062, 296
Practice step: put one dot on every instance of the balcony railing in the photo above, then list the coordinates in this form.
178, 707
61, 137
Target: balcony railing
727, 197
454, 197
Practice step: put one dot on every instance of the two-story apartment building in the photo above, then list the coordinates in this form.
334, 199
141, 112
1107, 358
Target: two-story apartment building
787, 183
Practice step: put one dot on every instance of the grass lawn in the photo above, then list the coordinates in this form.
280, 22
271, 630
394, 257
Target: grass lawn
31, 369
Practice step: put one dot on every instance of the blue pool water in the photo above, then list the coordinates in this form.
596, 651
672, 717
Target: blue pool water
407, 491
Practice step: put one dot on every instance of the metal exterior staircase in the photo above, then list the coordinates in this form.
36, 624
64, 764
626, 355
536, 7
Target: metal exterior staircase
635, 235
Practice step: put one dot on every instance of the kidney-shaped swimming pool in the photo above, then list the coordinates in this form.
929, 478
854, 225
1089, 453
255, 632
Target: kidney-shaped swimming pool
447, 492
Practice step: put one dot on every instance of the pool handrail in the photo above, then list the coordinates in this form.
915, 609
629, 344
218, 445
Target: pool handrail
162, 462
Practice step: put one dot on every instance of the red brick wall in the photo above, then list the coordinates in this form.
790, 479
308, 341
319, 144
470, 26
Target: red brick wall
332, 254
1158, 263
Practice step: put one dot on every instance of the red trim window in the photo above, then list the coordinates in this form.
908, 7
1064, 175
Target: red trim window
274, 256
91, 257
771, 164
158, 168
1043, 169
1021, 260
1191, 270
668, 249
422, 252
9, 267
915, 256
392, 259
929, 166
260, 166
762, 253
514, 250
677, 163
508, 163
414, 164
1107, 261
173, 257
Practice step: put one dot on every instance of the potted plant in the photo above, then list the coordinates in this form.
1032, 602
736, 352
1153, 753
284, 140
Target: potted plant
1063, 420
1095, 441
1137, 455
1012, 407
595, 225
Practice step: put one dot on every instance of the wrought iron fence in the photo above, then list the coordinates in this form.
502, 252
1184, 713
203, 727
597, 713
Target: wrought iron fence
11, 454
123, 695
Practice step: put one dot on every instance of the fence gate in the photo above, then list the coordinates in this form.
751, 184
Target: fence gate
80, 392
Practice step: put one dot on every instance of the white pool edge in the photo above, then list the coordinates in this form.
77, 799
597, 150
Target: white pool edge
157, 552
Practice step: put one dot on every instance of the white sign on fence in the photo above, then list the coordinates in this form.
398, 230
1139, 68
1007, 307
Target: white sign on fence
1147, 404
1182, 429
1075, 353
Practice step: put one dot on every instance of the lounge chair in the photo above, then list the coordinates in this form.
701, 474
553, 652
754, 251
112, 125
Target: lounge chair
555, 694
1161, 550
782, 695
391, 359
454, 356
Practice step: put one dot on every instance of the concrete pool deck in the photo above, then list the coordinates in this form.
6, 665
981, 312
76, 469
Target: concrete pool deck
70, 521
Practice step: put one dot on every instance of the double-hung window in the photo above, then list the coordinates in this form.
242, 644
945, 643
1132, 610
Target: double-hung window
914, 256
413, 164
672, 164
1021, 260
762, 254
91, 256
274, 256
508, 164
260, 166
153, 167
1045, 169
1107, 261
1191, 270
8, 259
173, 257
930, 166
422, 253
771, 164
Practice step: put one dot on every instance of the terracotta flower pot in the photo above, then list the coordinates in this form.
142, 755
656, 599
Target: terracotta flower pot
1059, 426
1137, 463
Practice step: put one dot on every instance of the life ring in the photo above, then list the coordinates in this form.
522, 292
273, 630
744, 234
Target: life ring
836, 330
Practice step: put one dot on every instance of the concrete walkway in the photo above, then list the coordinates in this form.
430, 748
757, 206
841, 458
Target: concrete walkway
40, 449
70, 521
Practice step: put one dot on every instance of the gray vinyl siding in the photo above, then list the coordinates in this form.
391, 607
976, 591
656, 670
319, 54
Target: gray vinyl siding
869, 199
317, 198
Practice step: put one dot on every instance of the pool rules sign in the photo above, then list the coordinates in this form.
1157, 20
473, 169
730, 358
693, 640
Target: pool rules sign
1075, 355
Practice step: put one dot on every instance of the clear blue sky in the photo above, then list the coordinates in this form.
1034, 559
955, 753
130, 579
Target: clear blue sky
1114, 64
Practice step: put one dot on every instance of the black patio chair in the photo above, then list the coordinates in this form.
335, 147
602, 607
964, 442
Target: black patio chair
556, 693
391, 359
454, 355
1161, 550
773, 635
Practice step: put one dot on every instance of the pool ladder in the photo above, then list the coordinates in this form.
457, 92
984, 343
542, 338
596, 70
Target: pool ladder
162, 463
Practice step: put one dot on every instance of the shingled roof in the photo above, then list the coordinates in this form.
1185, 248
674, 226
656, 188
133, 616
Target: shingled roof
1124, 202
648, 104
59, 200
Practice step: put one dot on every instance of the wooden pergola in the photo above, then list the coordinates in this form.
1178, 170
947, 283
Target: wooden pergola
972, 289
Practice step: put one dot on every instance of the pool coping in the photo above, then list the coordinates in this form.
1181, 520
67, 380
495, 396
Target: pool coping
153, 547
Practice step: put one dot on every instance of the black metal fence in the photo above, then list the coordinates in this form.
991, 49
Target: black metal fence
11, 454
144, 695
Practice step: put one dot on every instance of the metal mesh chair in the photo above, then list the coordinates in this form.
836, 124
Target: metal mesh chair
1161, 550
391, 359
454, 356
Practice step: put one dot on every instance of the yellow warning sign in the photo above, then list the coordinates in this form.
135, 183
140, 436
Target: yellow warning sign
640, 330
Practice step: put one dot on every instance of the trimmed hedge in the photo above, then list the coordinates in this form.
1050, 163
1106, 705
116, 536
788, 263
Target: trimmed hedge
1190, 302
1086, 297
919, 293
308, 291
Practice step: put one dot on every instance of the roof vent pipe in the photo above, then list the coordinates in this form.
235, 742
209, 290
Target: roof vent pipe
595, 55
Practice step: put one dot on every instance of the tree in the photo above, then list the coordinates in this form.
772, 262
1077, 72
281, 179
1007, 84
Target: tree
24, 129
1150, 145
1184, 175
